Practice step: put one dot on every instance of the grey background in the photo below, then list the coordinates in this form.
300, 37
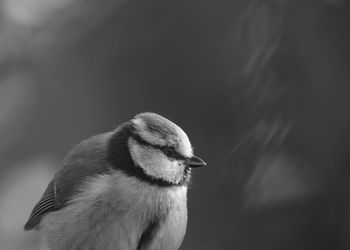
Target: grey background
260, 86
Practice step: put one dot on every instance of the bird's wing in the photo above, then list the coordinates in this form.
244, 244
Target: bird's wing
59, 191
85, 160
45, 205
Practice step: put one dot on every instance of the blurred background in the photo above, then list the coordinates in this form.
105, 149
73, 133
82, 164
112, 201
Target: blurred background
261, 87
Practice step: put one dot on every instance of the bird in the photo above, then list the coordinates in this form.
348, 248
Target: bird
123, 189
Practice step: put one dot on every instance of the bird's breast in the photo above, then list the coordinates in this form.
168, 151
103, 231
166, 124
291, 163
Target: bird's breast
120, 212
172, 229
158, 214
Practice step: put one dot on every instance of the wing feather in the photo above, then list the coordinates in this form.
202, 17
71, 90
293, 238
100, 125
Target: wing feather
87, 159
46, 204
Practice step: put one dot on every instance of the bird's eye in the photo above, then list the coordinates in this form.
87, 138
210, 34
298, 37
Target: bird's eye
169, 151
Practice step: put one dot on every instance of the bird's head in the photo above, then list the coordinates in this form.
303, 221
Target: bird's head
159, 150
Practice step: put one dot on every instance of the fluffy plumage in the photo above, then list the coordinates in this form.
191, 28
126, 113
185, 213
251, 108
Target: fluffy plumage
114, 211
124, 189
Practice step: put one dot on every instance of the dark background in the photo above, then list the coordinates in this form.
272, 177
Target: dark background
260, 86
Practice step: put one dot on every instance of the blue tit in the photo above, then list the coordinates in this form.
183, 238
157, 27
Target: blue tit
124, 189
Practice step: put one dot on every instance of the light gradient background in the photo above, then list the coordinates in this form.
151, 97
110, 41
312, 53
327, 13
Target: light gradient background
260, 86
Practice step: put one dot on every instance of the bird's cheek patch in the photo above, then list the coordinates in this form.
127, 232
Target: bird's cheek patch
155, 163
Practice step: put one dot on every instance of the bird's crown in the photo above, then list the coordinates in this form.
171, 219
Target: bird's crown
161, 132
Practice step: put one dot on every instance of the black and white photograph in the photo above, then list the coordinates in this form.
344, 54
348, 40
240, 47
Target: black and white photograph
174, 125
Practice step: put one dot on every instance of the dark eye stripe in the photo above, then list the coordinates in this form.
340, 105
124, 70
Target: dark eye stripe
172, 153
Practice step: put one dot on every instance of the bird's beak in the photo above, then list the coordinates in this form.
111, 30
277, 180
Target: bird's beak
195, 162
